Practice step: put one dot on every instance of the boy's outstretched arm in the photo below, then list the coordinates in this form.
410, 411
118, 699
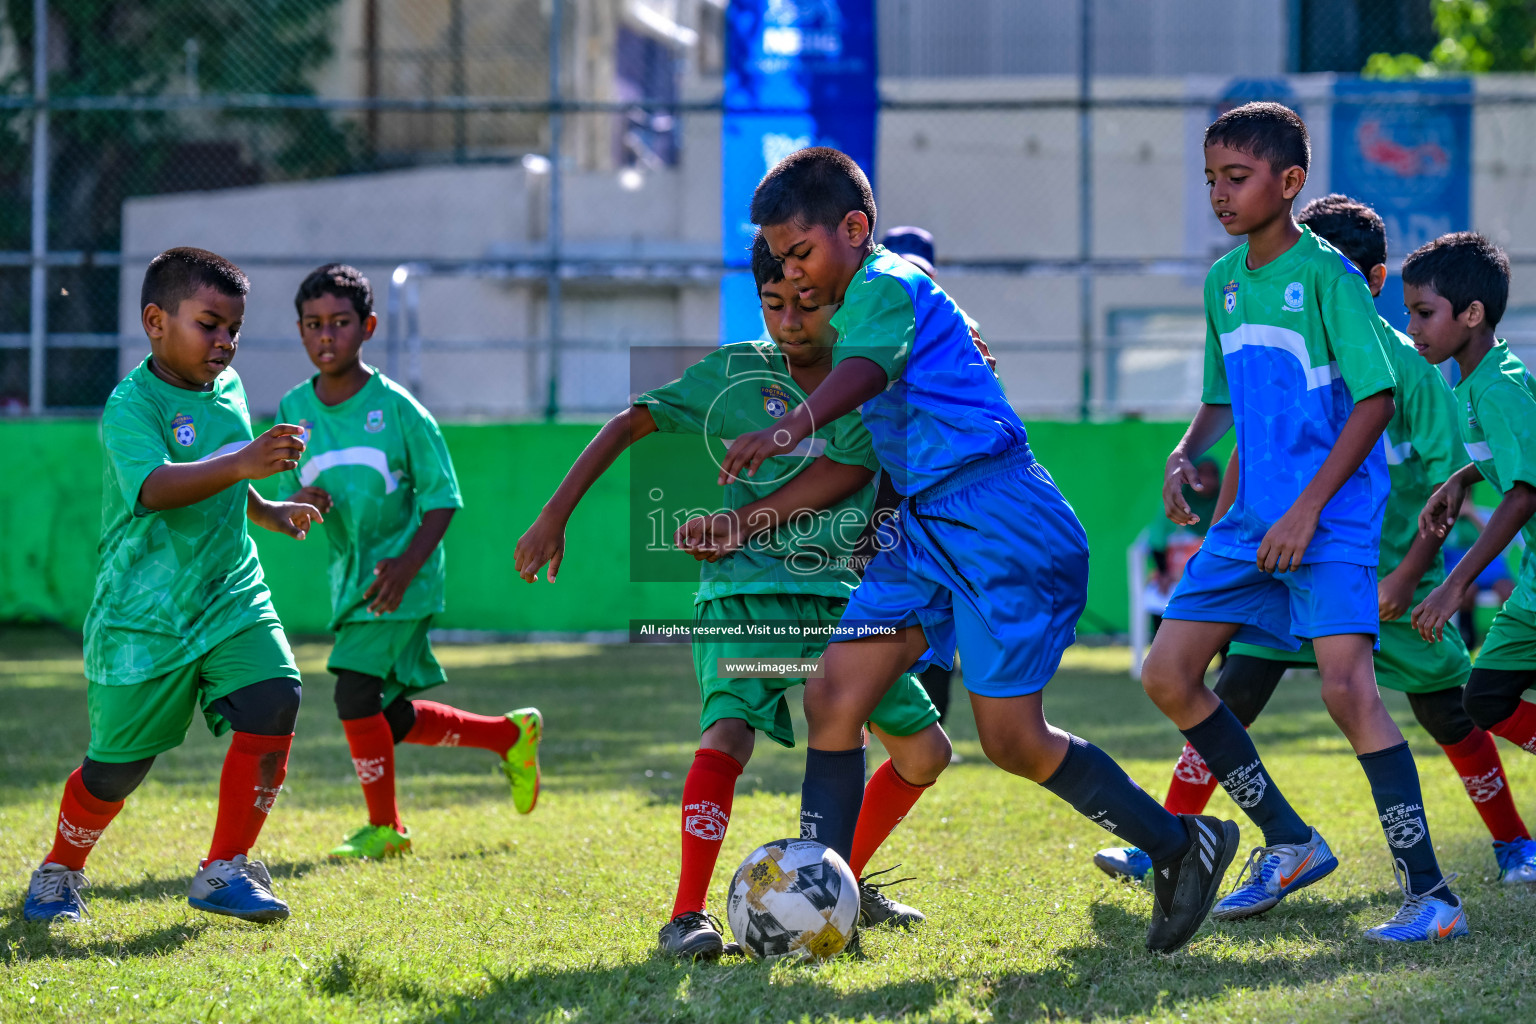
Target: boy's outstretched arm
820, 485
1514, 511
291, 517
1205, 429
1394, 594
392, 576
851, 383
179, 484
1286, 542
544, 542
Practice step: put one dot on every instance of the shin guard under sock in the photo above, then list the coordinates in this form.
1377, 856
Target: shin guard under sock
707, 794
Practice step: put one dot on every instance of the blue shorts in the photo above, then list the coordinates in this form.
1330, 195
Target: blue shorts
1496, 571
1275, 609
992, 560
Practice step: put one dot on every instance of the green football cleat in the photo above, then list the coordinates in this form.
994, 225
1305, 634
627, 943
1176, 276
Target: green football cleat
521, 762
373, 842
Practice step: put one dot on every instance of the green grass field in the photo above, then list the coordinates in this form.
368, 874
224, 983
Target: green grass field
553, 917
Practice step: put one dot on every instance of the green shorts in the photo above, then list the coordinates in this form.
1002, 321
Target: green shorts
1511, 642
1406, 661
144, 719
904, 710
397, 651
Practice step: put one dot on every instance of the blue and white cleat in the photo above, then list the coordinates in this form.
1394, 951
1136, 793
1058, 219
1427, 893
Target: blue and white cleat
236, 888
1273, 873
1123, 862
54, 895
1423, 917
1517, 861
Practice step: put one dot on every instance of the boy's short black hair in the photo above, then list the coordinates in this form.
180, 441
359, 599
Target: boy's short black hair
1349, 226
178, 273
1269, 131
1464, 267
339, 280
765, 269
815, 186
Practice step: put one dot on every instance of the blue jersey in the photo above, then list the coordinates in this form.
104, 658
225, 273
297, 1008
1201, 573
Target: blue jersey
943, 407
1292, 347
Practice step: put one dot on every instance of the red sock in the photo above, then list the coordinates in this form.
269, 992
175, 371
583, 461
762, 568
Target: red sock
438, 725
254, 769
1520, 727
1476, 760
887, 799
373, 755
707, 797
82, 818
1192, 784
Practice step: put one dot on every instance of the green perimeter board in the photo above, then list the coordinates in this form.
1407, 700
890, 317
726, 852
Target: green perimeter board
50, 511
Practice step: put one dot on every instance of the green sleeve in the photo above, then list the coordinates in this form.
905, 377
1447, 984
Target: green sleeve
431, 467
851, 444
1508, 415
135, 447
288, 480
1215, 391
877, 322
1429, 406
1356, 336
682, 407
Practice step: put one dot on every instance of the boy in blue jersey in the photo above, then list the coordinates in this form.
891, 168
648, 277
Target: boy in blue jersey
1296, 360
986, 552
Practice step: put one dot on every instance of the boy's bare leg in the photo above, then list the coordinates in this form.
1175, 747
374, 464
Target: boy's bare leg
1174, 672
1346, 665
1016, 737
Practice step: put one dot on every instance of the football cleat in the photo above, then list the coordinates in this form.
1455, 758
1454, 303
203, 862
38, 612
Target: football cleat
1123, 862
373, 842
54, 895
1423, 917
1273, 873
1183, 891
521, 762
236, 888
876, 908
1517, 861
692, 935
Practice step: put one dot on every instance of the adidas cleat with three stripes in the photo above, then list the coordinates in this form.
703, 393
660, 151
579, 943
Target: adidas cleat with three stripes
1183, 890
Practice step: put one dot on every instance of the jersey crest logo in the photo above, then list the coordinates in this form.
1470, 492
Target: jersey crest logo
775, 400
183, 430
375, 421
305, 426
1295, 295
1229, 295
1471, 416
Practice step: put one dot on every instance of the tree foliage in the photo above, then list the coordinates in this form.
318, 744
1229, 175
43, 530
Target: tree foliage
1475, 36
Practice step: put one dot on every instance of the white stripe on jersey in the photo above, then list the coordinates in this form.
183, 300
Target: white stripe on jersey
1479, 451
361, 455
227, 449
1284, 339
1397, 454
810, 448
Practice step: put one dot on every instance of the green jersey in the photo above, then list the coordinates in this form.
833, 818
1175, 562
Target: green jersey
173, 583
1423, 450
383, 461
744, 387
1498, 426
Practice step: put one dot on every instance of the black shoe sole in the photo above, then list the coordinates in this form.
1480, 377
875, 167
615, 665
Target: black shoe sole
1231, 837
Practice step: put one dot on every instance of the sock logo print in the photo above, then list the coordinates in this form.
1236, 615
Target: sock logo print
706, 820
266, 796
369, 769
1191, 768
74, 835
450, 739
1246, 786
1482, 788
1404, 825
1101, 819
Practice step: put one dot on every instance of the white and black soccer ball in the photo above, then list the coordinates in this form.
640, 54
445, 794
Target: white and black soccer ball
793, 898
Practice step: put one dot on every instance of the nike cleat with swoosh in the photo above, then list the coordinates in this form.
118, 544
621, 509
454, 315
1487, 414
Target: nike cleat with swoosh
1423, 917
1273, 873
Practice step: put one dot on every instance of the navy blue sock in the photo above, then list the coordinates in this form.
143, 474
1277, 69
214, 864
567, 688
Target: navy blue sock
831, 796
1230, 755
1394, 782
1099, 789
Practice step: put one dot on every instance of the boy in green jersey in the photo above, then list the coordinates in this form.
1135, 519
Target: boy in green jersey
376, 464
1456, 288
778, 553
182, 619
1422, 450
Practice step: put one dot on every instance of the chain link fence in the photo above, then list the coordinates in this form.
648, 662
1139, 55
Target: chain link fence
533, 186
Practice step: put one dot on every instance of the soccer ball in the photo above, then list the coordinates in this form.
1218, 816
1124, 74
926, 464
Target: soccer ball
793, 898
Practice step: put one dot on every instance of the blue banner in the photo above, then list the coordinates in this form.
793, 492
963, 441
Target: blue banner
1411, 161
798, 73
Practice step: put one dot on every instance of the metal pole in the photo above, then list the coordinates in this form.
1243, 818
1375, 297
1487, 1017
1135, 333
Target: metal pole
552, 286
456, 75
1085, 204
37, 349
